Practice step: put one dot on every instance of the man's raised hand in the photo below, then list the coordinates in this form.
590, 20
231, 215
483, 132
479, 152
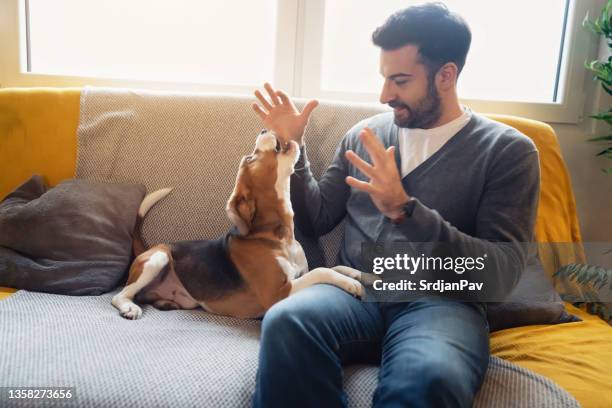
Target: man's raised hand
280, 115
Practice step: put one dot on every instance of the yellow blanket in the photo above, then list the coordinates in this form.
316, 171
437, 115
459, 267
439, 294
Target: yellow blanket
5, 292
37, 135
577, 356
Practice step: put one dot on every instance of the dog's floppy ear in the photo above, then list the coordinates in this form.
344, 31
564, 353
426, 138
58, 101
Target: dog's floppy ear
241, 209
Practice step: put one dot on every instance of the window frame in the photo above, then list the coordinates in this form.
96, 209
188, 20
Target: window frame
299, 39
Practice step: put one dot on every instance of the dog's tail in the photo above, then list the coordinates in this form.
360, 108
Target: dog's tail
148, 202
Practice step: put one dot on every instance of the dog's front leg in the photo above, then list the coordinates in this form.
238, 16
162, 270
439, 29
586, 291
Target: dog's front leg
327, 275
366, 279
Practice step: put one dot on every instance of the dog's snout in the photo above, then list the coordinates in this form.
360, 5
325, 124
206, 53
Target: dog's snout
263, 131
266, 141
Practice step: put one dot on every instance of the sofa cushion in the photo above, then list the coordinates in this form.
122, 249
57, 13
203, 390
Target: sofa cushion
72, 239
533, 301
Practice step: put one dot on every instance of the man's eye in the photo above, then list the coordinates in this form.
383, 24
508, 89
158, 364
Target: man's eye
400, 83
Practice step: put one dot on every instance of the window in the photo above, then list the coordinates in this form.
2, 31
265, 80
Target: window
229, 42
525, 57
515, 53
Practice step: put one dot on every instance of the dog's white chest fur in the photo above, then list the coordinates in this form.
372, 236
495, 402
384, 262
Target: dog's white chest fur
295, 264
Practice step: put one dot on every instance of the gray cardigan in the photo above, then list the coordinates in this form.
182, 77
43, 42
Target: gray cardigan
481, 187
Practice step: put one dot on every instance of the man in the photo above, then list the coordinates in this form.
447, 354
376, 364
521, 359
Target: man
430, 171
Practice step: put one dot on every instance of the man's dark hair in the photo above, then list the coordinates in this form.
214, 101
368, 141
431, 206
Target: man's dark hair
441, 35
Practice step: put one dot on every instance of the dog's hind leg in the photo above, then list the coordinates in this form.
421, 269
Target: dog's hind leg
144, 270
163, 304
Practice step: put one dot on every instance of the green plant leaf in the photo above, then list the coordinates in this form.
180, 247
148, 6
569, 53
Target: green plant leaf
591, 278
604, 20
600, 138
602, 71
605, 151
592, 65
607, 89
607, 116
587, 23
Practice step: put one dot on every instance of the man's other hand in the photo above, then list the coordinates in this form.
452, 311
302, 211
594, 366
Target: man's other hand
280, 115
385, 186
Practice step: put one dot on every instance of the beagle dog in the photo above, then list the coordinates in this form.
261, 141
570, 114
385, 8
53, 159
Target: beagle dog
243, 273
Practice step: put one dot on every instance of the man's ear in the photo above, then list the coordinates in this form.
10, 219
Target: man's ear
241, 209
447, 76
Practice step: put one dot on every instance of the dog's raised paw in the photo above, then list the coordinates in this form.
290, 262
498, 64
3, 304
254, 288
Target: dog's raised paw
131, 311
347, 271
358, 289
352, 286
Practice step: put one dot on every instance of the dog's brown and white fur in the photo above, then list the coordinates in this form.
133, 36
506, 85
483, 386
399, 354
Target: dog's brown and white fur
264, 262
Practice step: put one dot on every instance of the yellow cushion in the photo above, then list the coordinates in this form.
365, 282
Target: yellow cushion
5, 292
37, 135
577, 356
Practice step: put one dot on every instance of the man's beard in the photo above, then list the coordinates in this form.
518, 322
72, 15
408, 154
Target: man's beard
425, 113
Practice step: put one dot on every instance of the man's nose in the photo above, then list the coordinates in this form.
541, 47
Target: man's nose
386, 94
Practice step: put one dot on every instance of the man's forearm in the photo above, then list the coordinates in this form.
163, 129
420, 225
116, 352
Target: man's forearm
319, 205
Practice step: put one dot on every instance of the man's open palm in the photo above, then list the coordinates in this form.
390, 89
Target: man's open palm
385, 185
280, 115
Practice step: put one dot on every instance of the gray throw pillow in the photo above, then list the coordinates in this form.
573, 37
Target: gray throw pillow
73, 239
534, 300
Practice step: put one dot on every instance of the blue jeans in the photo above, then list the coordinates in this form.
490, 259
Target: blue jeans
432, 352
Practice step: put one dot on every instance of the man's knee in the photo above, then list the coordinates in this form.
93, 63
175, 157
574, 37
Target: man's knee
446, 383
292, 320
434, 382
280, 321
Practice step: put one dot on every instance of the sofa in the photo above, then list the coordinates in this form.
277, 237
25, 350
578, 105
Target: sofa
59, 133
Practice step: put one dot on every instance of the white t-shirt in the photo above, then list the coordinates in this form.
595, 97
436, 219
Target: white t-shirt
417, 145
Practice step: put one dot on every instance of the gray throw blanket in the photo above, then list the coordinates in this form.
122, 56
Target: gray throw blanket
183, 358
